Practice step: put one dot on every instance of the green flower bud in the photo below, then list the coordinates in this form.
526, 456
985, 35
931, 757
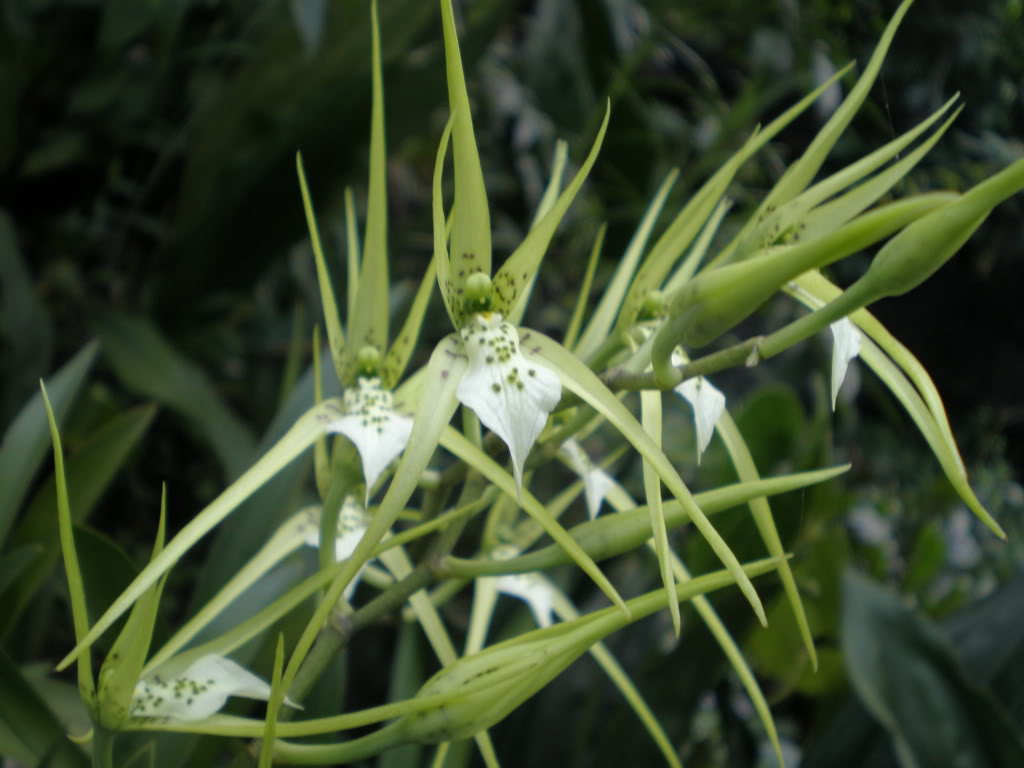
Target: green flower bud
715, 301
919, 250
487, 686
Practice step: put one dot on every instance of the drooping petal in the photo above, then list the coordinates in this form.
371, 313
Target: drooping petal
352, 524
198, 692
371, 422
596, 482
532, 588
511, 395
707, 402
845, 347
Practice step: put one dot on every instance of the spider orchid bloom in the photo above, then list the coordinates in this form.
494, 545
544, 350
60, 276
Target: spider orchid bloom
372, 423
845, 347
199, 691
512, 396
596, 482
366, 366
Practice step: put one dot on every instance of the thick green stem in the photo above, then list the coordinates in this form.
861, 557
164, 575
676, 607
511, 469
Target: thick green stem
103, 747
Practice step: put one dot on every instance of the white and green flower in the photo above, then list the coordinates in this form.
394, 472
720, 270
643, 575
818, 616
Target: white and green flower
374, 426
596, 482
512, 396
199, 691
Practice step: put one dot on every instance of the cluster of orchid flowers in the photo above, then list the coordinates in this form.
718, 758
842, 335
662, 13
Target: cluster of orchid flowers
663, 303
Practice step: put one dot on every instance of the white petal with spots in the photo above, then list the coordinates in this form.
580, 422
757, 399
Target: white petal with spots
371, 422
845, 346
512, 396
532, 588
596, 482
198, 692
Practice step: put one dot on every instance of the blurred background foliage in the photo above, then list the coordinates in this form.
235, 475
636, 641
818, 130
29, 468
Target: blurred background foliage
148, 201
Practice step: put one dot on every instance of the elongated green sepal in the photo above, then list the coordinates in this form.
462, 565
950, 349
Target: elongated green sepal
76, 586
123, 666
799, 174
405, 342
471, 230
650, 415
604, 315
694, 215
442, 262
369, 326
743, 461
332, 319
917, 394
517, 272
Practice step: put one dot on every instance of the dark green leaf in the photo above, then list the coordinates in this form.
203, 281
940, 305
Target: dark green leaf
38, 731
147, 364
89, 473
27, 439
908, 676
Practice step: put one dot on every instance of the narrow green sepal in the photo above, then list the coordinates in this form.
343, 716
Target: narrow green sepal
332, 319
516, 274
76, 586
369, 321
123, 666
471, 230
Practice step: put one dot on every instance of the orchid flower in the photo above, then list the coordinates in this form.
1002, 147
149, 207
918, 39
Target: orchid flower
845, 346
199, 691
366, 366
504, 374
596, 482
707, 401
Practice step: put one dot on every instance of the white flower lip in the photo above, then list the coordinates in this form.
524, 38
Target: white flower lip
596, 482
371, 422
198, 692
707, 402
845, 347
512, 396
532, 588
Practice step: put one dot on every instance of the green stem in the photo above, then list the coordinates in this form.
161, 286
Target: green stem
103, 747
328, 754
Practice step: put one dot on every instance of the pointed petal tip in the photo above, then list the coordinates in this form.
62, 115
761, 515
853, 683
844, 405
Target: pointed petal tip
512, 396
